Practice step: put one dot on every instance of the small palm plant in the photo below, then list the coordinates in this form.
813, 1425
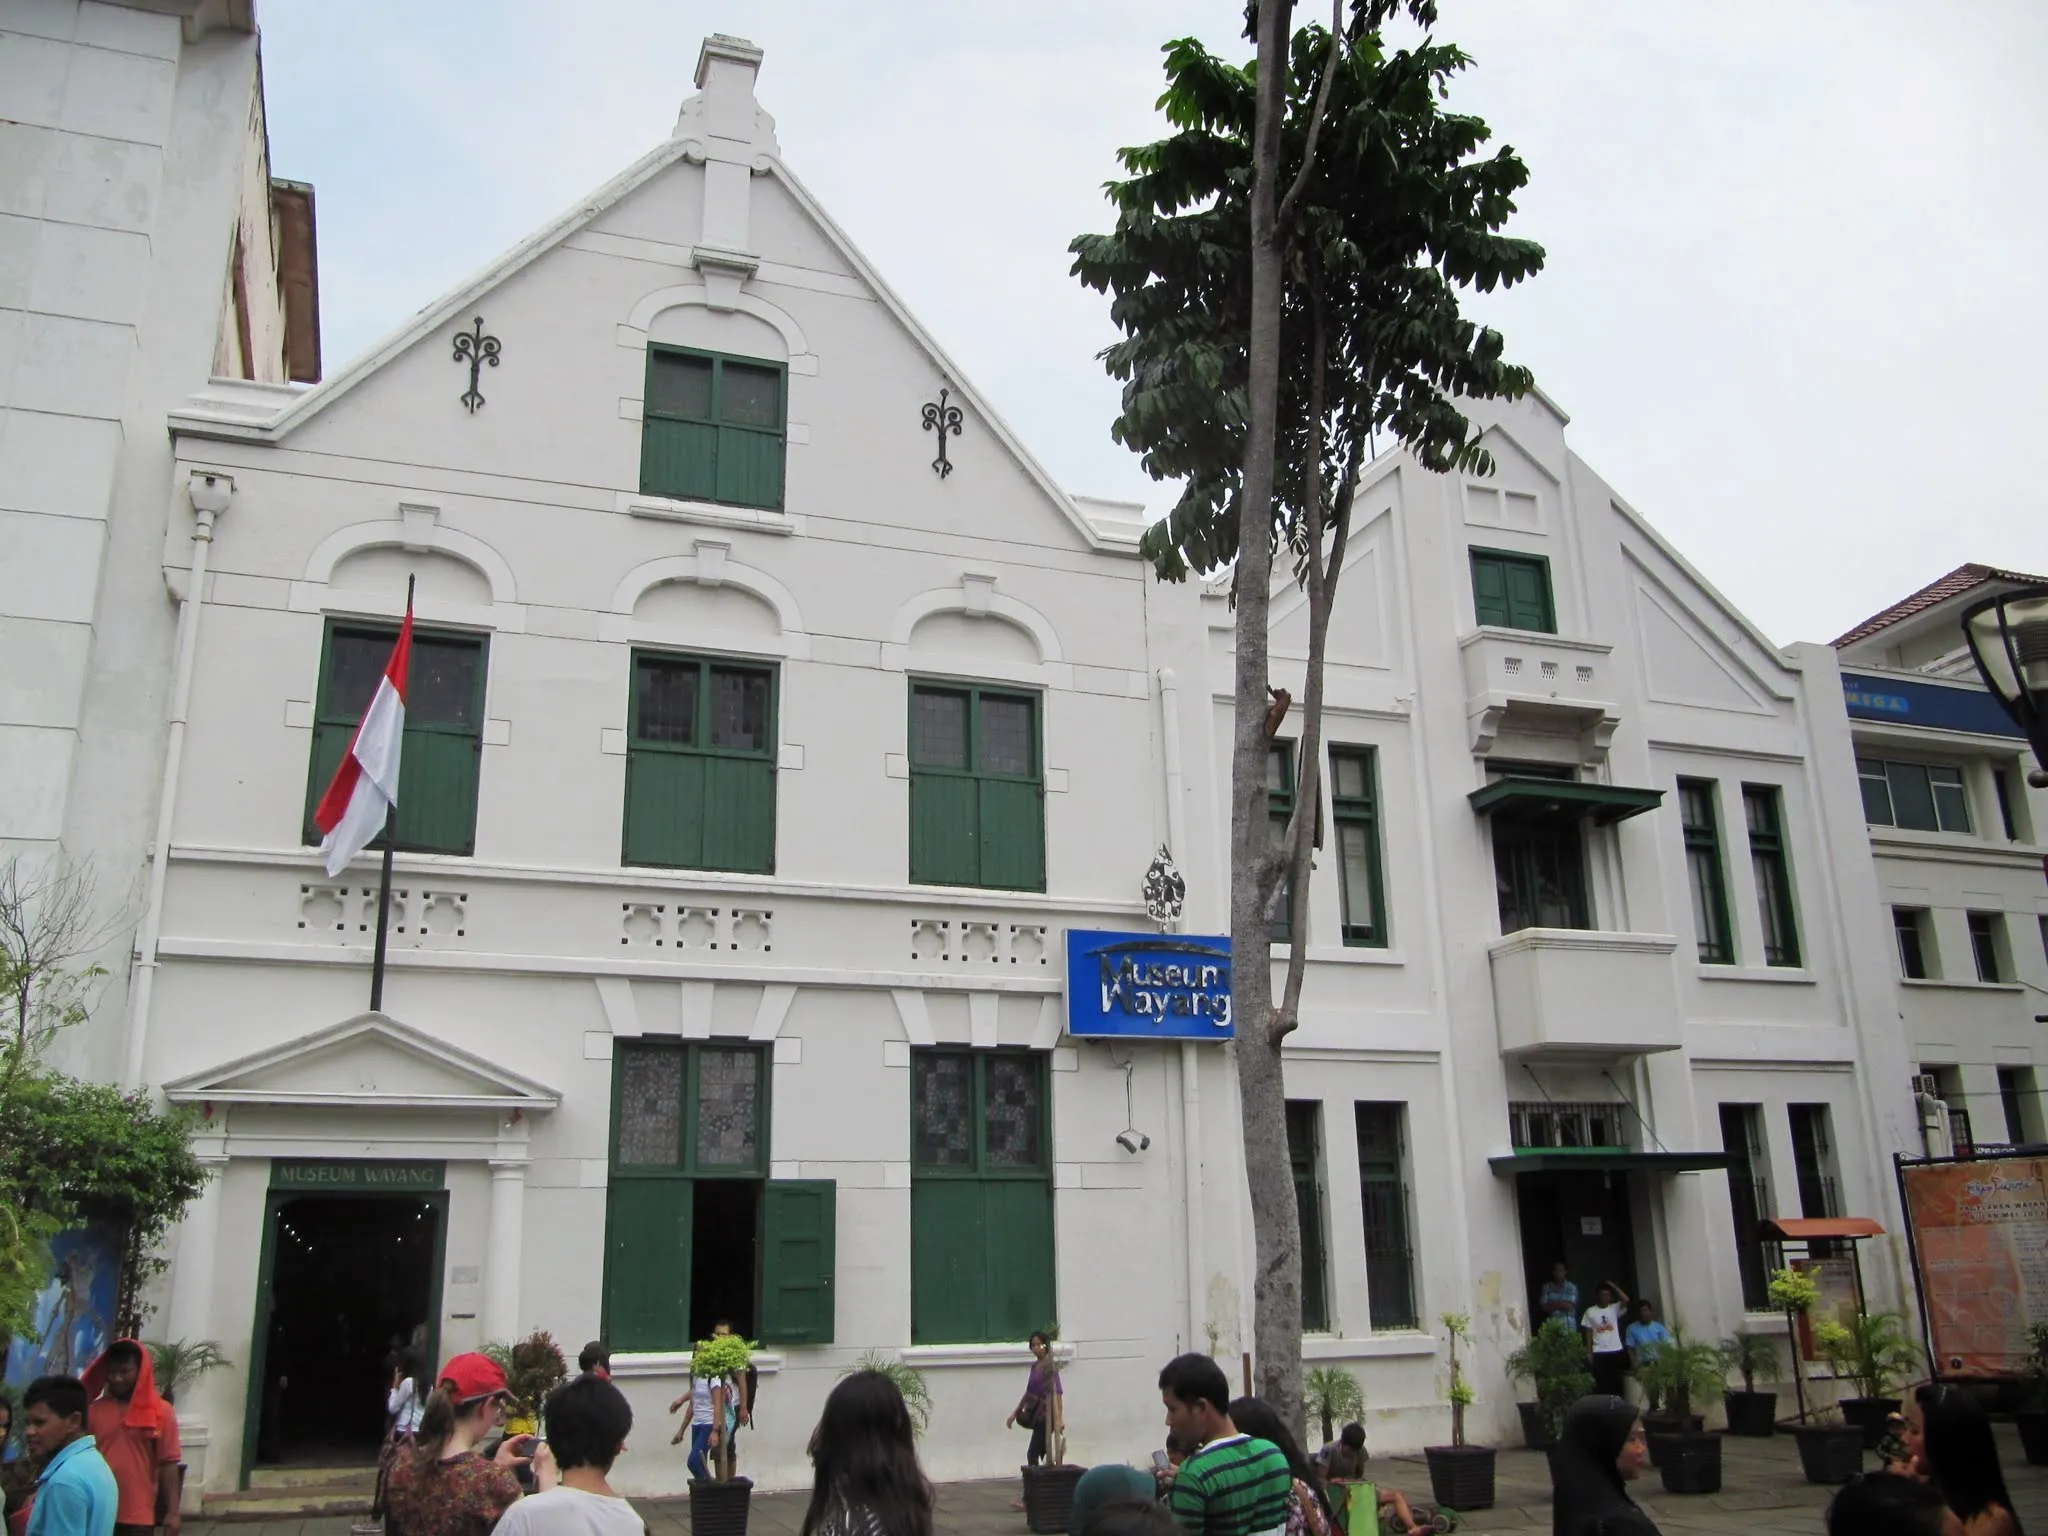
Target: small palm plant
1332, 1396
1680, 1370
1749, 1355
1554, 1362
180, 1362
907, 1379
1457, 1325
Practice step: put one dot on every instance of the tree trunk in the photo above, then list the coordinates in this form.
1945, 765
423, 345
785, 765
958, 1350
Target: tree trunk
1255, 866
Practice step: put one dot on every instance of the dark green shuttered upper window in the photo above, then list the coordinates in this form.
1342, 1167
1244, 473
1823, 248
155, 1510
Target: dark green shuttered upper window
1512, 591
977, 789
713, 428
444, 718
700, 764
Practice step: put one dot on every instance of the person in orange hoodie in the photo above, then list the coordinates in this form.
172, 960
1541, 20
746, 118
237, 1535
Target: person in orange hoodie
137, 1433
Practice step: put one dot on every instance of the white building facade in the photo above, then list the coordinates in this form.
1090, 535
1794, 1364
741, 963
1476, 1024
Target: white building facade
767, 736
1956, 832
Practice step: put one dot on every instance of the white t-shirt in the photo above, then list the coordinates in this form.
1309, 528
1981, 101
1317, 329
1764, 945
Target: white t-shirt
405, 1407
700, 1397
1604, 1323
570, 1512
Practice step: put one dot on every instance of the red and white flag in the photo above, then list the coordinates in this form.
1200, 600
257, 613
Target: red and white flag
365, 786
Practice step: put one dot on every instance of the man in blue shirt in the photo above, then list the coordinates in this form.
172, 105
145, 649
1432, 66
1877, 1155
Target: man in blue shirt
1643, 1337
75, 1496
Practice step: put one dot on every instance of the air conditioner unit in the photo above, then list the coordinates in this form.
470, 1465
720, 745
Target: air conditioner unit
1925, 1082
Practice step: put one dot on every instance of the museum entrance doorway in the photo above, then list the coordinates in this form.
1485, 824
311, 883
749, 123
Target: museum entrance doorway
1583, 1218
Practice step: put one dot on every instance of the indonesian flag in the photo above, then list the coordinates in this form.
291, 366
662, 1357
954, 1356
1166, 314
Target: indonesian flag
365, 787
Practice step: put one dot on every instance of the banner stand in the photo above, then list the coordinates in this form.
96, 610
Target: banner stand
1977, 1241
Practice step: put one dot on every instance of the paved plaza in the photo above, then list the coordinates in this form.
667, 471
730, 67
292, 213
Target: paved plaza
1762, 1491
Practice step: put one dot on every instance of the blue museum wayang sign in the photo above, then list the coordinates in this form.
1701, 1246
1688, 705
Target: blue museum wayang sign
1148, 986
1904, 702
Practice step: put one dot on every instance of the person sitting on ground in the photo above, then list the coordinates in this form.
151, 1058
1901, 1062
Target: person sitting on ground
588, 1420
445, 1488
865, 1479
1346, 1467
1231, 1484
1961, 1458
1308, 1510
1600, 1449
1887, 1504
596, 1360
1101, 1487
75, 1492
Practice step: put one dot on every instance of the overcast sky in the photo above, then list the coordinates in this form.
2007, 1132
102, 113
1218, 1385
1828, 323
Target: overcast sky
1796, 251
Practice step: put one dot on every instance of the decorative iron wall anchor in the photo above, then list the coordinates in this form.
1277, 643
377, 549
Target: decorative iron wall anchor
475, 348
942, 418
1166, 892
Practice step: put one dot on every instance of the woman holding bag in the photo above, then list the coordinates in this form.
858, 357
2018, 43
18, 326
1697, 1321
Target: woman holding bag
1039, 1409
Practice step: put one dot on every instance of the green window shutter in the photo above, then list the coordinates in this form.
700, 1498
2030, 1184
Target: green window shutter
330, 743
798, 1221
1490, 590
749, 468
665, 809
713, 428
647, 1263
948, 1263
437, 773
945, 839
1301, 1153
679, 459
700, 765
1529, 596
1017, 1222
1012, 834
739, 814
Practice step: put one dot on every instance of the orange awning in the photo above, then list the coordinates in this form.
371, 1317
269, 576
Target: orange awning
1809, 1229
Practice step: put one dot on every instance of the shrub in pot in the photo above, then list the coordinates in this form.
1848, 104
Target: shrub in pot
1676, 1373
2032, 1418
1554, 1362
1749, 1355
1460, 1475
1874, 1354
719, 1507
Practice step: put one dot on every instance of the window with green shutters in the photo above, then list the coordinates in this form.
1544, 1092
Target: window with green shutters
1511, 591
977, 788
712, 427
444, 715
1280, 786
689, 1148
1763, 808
981, 1202
1304, 1154
1354, 806
1702, 828
700, 764
1383, 1196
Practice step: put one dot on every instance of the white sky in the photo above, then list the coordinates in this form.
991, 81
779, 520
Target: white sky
1793, 301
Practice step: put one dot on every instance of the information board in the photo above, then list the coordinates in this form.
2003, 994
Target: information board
1980, 1243
1148, 986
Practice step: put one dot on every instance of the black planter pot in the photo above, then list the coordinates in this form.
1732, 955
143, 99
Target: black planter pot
1049, 1497
720, 1509
1535, 1427
1668, 1426
1829, 1453
2033, 1428
1461, 1476
1868, 1414
1687, 1463
1751, 1413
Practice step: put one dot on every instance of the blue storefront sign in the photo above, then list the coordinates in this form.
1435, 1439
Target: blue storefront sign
1904, 702
1148, 986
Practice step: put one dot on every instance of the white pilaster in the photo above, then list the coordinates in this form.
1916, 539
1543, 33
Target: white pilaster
191, 1311
507, 1240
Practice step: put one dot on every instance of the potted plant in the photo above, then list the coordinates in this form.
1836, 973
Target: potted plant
2032, 1417
1460, 1475
1874, 1354
1749, 1355
1049, 1486
1829, 1452
1332, 1397
718, 1507
907, 1379
533, 1368
1676, 1373
180, 1362
1554, 1362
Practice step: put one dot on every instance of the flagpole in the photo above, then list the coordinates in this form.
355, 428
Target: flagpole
384, 878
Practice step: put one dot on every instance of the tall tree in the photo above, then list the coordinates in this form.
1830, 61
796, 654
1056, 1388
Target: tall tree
1269, 338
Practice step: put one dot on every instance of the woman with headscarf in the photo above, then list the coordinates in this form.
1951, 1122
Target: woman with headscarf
1948, 1430
1600, 1449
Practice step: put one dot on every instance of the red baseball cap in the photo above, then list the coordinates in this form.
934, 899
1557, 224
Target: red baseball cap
469, 1377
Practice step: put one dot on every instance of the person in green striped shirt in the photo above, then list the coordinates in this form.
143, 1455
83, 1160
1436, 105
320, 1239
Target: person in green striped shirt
1231, 1484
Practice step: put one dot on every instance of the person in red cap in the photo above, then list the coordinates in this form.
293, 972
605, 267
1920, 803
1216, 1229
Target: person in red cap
137, 1433
443, 1487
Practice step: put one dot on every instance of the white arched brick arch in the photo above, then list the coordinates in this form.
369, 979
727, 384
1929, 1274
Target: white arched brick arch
977, 598
417, 528
709, 566
634, 332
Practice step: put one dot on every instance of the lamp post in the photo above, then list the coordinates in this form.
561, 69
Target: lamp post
2008, 639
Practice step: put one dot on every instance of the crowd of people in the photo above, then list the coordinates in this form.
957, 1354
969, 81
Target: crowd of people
104, 1451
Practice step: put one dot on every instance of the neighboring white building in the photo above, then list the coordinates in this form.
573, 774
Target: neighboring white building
1957, 835
764, 745
143, 246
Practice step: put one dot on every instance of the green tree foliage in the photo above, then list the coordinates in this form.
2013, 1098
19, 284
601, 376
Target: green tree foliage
1333, 1398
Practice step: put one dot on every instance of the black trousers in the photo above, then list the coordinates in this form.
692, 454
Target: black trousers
1035, 1452
1610, 1372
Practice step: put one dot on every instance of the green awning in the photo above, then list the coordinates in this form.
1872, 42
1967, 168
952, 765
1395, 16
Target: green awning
1605, 1160
1555, 800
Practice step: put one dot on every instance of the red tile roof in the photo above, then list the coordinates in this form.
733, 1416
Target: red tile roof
1954, 584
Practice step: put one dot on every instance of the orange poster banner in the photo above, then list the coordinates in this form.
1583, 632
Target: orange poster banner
1980, 1229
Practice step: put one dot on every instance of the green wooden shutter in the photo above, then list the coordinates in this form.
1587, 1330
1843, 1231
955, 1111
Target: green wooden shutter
647, 1263
437, 774
1528, 584
1490, 590
679, 459
664, 808
798, 1220
1017, 1223
948, 1262
749, 467
945, 837
1012, 835
330, 745
738, 817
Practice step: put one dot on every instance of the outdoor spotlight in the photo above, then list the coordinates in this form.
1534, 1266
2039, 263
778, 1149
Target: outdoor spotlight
1133, 1140
2008, 639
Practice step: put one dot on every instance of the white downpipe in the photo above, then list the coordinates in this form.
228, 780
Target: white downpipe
210, 497
1190, 1053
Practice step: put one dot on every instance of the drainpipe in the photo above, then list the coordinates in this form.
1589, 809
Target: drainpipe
1190, 1053
210, 494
